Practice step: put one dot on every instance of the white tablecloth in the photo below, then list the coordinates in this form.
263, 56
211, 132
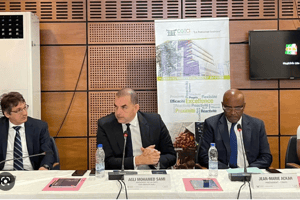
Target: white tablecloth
29, 185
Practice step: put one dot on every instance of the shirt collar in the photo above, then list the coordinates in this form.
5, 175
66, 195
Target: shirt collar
11, 125
135, 121
229, 123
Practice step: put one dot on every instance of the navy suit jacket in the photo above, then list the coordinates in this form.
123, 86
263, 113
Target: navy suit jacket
153, 131
254, 138
37, 139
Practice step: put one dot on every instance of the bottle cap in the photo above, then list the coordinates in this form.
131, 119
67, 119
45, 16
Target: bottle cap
99, 145
212, 144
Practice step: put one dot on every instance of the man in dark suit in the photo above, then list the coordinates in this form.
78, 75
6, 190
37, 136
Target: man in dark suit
148, 141
22, 136
222, 130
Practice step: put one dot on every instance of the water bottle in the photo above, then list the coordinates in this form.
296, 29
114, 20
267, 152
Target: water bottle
213, 160
100, 165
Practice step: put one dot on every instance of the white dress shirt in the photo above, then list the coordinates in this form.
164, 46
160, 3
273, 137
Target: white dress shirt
240, 157
9, 165
136, 140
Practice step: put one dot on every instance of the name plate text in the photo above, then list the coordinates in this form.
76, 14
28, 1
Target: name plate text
274, 181
148, 182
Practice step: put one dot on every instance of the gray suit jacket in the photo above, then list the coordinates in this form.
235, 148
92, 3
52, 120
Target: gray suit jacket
254, 138
153, 131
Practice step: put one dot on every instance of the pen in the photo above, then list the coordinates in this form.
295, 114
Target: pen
53, 183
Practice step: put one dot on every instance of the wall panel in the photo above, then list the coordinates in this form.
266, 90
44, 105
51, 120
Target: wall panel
239, 30
61, 67
239, 70
72, 153
289, 111
263, 105
274, 147
54, 109
62, 33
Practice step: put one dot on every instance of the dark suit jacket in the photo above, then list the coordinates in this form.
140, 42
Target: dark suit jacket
254, 138
37, 139
153, 131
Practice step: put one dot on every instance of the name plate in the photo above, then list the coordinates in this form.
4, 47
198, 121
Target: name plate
148, 182
274, 181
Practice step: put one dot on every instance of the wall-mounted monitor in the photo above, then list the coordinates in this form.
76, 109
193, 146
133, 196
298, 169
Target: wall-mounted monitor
274, 54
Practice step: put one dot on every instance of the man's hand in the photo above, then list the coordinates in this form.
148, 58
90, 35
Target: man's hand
150, 156
43, 168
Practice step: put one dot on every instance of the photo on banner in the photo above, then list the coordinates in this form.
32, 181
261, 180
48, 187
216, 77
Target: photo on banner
193, 70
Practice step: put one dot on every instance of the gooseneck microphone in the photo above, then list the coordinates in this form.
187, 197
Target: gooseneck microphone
245, 176
239, 128
125, 140
34, 155
119, 175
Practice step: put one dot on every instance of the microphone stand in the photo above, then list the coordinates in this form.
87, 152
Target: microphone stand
244, 176
40, 154
119, 175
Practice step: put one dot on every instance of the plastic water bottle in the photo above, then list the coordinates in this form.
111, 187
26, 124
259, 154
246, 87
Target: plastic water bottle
100, 165
213, 160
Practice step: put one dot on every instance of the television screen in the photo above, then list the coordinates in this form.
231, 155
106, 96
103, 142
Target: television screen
274, 54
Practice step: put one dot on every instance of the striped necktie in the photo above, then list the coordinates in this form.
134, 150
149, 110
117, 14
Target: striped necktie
18, 163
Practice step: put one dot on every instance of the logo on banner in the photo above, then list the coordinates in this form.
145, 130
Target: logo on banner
175, 32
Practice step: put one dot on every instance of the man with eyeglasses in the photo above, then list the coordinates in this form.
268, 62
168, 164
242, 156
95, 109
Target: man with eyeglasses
222, 129
22, 136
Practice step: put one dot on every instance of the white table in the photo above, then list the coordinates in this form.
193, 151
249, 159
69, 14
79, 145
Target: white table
29, 185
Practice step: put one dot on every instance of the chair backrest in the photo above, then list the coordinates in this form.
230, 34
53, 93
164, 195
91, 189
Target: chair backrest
291, 152
56, 165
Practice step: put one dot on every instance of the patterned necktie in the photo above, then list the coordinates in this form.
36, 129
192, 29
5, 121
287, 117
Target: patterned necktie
233, 147
129, 151
18, 164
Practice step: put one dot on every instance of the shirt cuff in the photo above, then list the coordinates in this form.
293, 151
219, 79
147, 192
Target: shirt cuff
134, 165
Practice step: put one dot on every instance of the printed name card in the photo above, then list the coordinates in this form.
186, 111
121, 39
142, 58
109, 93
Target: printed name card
274, 181
148, 182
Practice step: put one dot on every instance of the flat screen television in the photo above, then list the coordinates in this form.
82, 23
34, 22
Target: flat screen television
274, 54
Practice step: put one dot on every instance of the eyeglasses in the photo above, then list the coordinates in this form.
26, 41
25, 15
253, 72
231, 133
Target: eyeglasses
21, 109
229, 109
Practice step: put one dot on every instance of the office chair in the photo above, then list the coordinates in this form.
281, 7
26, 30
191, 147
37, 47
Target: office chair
56, 165
291, 157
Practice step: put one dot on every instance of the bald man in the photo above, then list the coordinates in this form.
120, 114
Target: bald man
222, 130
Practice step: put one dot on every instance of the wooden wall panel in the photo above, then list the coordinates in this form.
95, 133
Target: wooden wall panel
72, 153
273, 142
62, 33
263, 105
284, 140
54, 108
239, 70
239, 30
286, 24
289, 111
61, 66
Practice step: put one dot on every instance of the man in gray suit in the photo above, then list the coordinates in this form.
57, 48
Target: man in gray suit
222, 130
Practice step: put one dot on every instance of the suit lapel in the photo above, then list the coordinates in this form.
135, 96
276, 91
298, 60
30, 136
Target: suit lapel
118, 134
144, 129
246, 133
3, 136
29, 133
223, 130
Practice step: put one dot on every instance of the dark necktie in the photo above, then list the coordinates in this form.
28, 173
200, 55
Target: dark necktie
129, 151
18, 164
233, 147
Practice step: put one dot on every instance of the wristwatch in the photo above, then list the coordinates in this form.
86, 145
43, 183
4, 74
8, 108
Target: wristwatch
46, 166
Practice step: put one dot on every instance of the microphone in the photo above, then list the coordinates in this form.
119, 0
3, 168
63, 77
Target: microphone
34, 155
125, 140
119, 175
245, 176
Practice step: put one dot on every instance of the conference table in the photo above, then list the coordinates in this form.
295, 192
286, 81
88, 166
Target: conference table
29, 185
